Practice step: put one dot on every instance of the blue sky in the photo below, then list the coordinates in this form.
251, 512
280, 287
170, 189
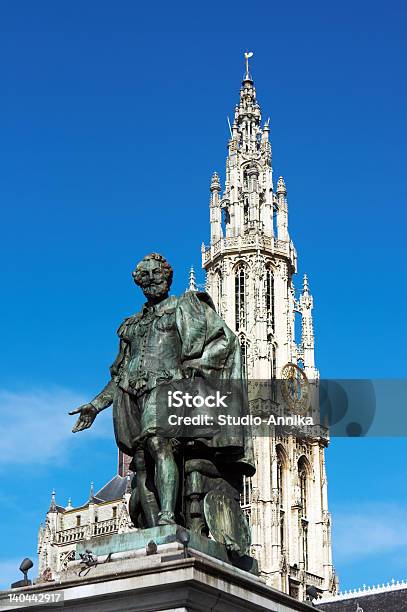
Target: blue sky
113, 118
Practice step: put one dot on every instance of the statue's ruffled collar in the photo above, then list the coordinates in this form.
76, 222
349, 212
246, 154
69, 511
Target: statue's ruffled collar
168, 304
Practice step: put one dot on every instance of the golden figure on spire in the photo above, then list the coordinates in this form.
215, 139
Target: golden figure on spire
248, 55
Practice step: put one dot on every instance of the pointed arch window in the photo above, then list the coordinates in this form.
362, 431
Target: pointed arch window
280, 478
245, 180
303, 481
246, 211
240, 297
225, 218
270, 301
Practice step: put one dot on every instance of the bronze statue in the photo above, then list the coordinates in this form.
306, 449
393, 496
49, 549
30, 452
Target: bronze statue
177, 480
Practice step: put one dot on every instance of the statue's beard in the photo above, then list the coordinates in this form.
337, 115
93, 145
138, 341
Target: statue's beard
156, 290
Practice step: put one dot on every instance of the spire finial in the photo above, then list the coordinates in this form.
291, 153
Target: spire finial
247, 56
69, 506
91, 493
53, 506
192, 281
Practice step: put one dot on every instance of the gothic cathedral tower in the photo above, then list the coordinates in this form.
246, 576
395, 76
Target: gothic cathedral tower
249, 266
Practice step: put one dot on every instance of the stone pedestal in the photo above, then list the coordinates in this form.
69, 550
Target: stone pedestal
166, 534
166, 581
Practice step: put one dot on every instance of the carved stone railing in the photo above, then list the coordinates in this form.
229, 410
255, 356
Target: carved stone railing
105, 527
75, 534
310, 579
314, 580
280, 247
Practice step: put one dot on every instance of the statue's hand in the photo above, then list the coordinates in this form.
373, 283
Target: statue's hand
87, 414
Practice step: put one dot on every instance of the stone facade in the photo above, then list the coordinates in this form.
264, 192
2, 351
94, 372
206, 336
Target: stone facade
106, 512
250, 265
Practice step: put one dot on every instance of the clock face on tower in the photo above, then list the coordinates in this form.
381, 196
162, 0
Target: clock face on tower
295, 388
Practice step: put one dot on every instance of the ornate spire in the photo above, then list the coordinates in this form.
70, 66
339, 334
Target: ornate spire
281, 187
53, 506
215, 183
215, 208
305, 285
91, 494
192, 281
266, 131
69, 506
246, 126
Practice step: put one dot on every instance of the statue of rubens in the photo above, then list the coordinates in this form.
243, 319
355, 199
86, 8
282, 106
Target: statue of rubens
193, 480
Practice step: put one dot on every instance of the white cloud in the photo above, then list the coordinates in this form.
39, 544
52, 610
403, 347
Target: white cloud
370, 531
35, 426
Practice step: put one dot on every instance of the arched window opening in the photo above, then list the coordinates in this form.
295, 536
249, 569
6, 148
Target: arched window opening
245, 181
270, 301
246, 496
298, 327
274, 221
219, 290
303, 481
240, 298
280, 482
303, 474
281, 488
273, 373
225, 219
246, 211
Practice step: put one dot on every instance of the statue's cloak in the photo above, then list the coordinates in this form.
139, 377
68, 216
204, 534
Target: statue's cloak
211, 347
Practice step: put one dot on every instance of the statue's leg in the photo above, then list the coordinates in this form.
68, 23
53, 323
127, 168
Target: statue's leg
146, 497
166, 477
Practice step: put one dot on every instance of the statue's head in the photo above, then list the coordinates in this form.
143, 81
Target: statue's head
154, 275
